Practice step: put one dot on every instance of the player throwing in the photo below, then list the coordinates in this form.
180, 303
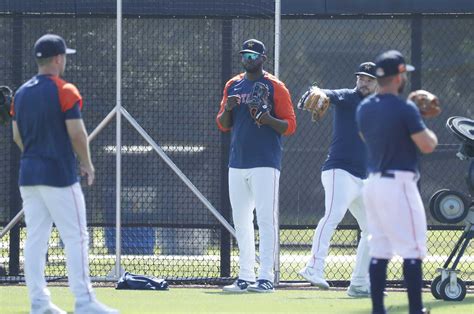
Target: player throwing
342, 176
257, 109
394, 132
48, 129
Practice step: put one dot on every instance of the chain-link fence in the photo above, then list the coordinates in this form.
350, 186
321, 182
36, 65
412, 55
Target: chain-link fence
175, 61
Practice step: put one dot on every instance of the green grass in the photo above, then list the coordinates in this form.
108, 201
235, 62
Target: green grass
14, 299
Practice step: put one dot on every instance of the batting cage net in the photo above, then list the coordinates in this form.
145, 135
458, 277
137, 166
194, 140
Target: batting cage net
176, 58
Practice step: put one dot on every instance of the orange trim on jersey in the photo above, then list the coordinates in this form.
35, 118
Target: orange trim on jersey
283, 106
68, 94
224, 101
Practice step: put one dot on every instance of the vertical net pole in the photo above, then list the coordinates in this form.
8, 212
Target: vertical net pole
118, 146
277, 74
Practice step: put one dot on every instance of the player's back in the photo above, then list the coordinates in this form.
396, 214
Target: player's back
387, 122
40, 111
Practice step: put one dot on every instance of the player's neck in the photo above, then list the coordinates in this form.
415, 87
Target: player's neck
254, 76
48, 70
388, 90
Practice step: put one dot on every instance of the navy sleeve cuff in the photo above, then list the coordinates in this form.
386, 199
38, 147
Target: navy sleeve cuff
73, 113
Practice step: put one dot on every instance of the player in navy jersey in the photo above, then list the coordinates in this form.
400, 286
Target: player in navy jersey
394, 132
342, 176
48, 129
254, 164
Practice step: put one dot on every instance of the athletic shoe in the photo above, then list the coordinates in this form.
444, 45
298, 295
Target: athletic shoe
315, 278
239, 286
46, 308
262, 286
94, 307
358, 291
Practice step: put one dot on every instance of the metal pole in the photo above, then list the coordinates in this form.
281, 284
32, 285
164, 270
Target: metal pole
118, 146
277, 36
276, 266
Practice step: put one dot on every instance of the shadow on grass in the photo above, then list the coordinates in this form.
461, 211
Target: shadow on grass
431, 305
437, 304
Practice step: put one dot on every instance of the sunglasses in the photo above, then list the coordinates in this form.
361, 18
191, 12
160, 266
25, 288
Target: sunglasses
250, 56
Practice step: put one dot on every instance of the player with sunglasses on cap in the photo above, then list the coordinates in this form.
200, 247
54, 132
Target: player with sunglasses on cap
256, 108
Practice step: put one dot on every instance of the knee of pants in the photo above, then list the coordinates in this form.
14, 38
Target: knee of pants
76, 239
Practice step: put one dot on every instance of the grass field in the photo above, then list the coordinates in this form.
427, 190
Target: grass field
14, 299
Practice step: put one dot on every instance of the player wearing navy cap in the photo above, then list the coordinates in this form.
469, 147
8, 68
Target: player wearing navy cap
48, 129
255, 163
342, 176
394, 132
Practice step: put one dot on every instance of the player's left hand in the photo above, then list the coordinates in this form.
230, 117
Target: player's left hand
89, 172
427, 103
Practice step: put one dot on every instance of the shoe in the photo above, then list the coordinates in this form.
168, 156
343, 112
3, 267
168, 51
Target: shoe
239, 286
46, 308
93, 307
262, 286
314, 278
358, 291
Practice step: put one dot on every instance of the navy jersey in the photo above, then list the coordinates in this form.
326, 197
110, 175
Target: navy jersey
40, 108
387, 123
252, 146
347, 151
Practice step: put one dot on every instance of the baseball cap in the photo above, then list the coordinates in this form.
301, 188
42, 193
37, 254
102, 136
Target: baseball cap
254, 46
51, 45
391, 63
366, 68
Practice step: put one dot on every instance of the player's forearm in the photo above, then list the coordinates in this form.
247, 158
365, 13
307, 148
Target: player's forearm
80, 144
277, 124
226, 119
432, 140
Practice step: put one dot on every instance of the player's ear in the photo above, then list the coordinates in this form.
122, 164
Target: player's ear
264, 58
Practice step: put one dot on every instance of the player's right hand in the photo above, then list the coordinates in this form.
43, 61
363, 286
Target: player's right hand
89, 172
232, 102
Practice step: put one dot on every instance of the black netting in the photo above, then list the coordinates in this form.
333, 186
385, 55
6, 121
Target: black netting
176, 58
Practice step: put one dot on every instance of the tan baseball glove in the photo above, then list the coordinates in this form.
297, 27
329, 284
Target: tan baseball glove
314, 101
427, 103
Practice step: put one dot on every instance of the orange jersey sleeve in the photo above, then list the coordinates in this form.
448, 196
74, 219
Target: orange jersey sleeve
68, 94
283, 105
224, 101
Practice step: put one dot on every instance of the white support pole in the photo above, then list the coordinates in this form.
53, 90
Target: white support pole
277, 37
277, 74
118, 146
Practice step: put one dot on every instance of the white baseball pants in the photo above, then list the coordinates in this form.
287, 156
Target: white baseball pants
397, 221
342, 191
65, 207
249, 189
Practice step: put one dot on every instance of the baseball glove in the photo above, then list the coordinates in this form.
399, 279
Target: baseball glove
315, 101
5, 101
258, 104
427, 103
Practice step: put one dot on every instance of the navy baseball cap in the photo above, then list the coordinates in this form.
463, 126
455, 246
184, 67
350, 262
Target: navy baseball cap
366, 68
51, 45
391, 63
254, 46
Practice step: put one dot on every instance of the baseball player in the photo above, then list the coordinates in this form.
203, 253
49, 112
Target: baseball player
394, 131
255, 162
48, 129
342, 176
